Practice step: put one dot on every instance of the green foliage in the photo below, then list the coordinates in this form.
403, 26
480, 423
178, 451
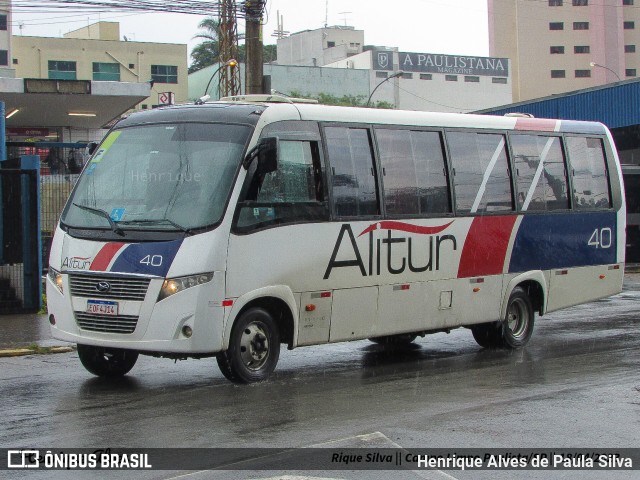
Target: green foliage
344, 101
208, 52
43, 309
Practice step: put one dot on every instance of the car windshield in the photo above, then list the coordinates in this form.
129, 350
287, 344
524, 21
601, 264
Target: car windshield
158, 177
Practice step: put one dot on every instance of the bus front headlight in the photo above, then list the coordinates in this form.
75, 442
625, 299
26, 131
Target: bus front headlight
178, 284
56, 277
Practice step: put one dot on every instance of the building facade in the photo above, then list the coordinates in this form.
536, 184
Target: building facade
403, 80
96, 53
558, 46
5, 39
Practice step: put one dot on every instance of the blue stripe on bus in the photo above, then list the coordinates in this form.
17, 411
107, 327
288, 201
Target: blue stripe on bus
153, 258
551, 241
570, 126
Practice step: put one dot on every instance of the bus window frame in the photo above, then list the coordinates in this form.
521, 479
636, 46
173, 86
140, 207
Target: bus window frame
504, 133
563, 148
309, 135
608, 159
447, 170
376, 174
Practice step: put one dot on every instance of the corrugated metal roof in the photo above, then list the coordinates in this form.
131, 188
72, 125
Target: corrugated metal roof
615, 104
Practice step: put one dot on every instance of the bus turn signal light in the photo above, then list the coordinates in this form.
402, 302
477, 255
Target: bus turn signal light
310, 307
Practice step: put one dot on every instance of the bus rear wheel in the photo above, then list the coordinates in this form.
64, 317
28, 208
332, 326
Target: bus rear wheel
516, 328
254, 348
107, 362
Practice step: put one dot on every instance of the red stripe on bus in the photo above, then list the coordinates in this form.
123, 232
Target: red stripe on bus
486, 246
104, 256
404, 227
538, 124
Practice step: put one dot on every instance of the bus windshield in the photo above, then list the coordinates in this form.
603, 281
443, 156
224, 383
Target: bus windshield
158, 177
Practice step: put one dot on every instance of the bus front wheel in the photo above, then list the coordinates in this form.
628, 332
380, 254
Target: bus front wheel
254, 348
516, 328
107, 362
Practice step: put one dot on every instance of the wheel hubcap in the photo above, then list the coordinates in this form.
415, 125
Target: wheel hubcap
517, 318
254, 346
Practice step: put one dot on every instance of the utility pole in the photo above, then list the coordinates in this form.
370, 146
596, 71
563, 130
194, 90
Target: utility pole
253, 43
229, 78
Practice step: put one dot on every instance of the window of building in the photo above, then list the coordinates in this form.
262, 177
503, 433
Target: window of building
413, 169
3, 22
580, 3
630, 72
558, 74
629, 49
352, 172
481, 173
499, 80
583, 73
582, 49
106, 71
554, 50
426, 76
471, 79
132, 65
164, 73
4, 57
541, 178
556, 25
62, 70
15, 61
331, 44
451, 78
382, 74
407, 76
627, 2
555, 3
629, 25
590, 183
581, 25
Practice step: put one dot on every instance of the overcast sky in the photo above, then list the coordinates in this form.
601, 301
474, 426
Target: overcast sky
428, 26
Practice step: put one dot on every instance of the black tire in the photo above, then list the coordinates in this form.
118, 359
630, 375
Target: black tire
516, 328
395, 340
254, 348
487, 335
107, 362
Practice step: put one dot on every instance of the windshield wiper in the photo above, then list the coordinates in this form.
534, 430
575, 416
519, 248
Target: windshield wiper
159, 221
102, 213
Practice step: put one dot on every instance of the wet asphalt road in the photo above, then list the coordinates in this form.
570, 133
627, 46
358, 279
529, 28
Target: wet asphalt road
576, 385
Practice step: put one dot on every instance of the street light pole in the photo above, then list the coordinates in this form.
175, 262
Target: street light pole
594, 64
229, 63
397, 74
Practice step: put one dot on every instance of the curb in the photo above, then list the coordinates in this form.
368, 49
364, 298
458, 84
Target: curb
18, 352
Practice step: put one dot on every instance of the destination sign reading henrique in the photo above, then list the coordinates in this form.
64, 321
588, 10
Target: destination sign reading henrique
439, 63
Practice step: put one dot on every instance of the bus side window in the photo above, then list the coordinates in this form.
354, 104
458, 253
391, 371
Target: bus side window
481, 173
352, 172
413, 172
292, 193
540, 173
589, 172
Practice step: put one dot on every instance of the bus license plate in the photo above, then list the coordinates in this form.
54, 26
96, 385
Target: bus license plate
101, 307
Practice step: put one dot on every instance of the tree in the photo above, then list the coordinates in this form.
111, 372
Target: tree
208, 52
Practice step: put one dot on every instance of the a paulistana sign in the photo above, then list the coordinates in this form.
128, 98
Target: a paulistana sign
439, 63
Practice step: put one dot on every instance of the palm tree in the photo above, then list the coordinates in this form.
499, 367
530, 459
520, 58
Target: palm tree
208, 52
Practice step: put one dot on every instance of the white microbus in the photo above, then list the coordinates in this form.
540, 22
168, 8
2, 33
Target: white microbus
226, 229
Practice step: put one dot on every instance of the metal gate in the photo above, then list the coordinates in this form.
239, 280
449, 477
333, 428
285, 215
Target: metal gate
20, 269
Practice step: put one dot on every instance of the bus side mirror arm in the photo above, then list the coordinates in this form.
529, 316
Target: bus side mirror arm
266, 151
